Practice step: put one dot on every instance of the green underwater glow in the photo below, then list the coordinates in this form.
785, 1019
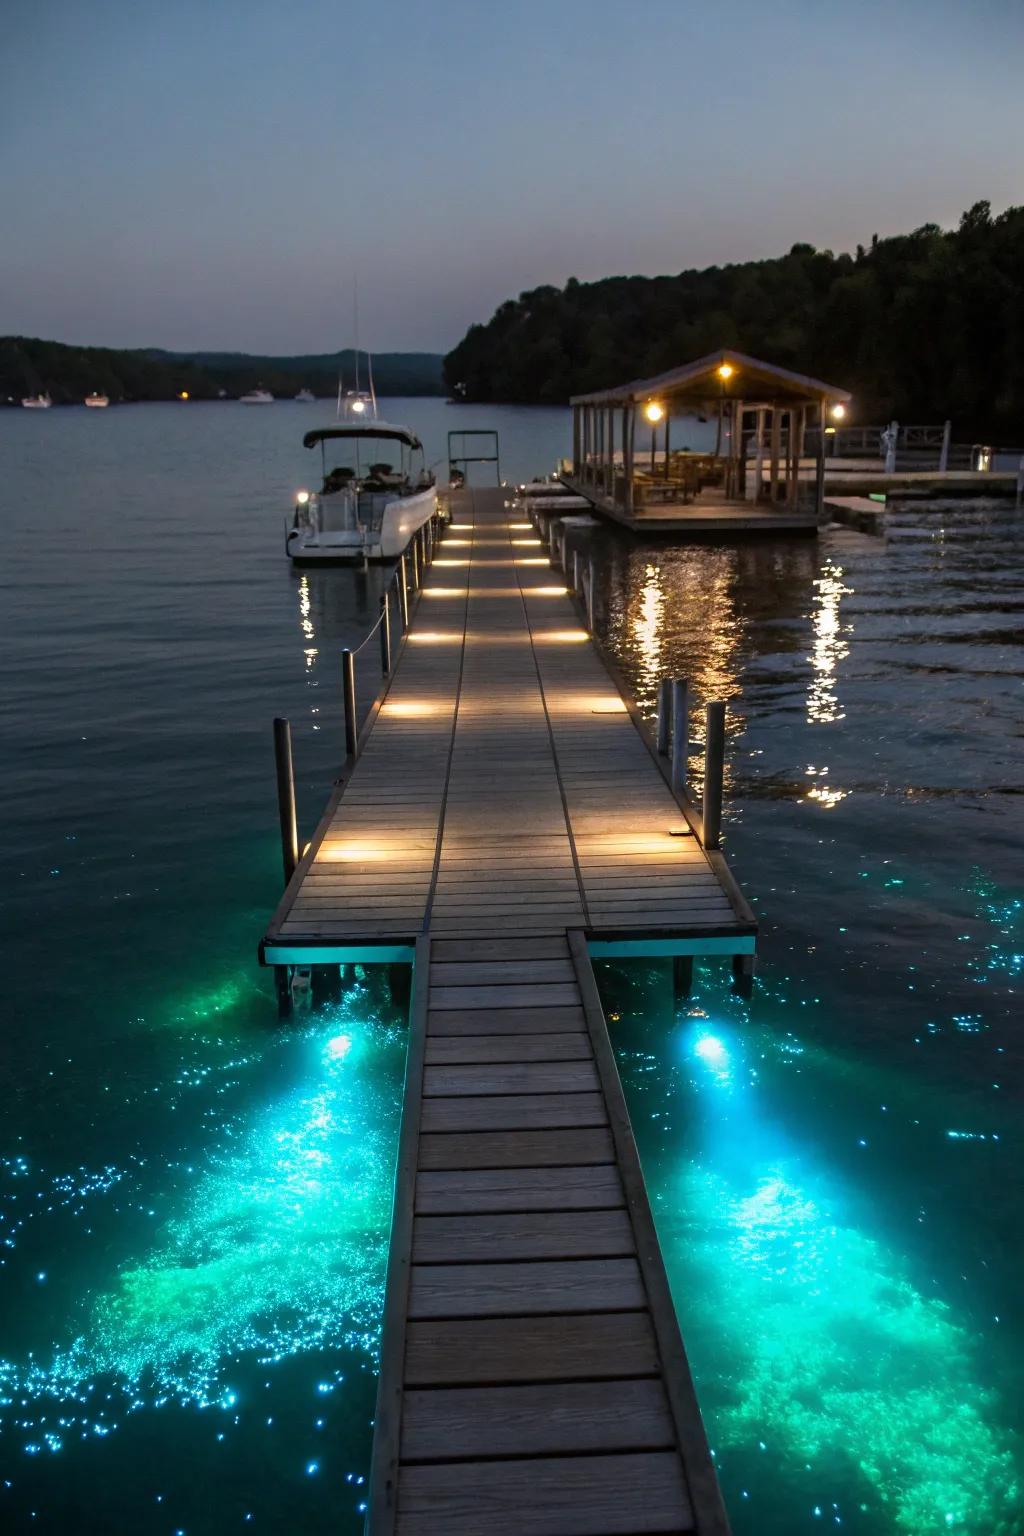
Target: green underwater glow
836, 1389
276, 1248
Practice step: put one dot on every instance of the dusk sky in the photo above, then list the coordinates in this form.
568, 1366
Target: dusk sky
209, 175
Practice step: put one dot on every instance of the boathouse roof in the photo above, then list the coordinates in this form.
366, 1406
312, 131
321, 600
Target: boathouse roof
750, 376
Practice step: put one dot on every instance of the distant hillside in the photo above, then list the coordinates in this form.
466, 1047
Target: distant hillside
30, 366
922, 326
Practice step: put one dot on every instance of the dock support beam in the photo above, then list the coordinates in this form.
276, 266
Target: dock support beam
348, 684
743, 974
714, 772
682, 977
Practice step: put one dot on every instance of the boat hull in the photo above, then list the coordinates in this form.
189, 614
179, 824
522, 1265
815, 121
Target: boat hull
400, 520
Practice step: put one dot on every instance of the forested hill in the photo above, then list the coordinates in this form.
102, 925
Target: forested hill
29, 366
922, 326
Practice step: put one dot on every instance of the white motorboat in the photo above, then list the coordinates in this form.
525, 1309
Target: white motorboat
37, 402
305, 397
98, 402
257, 396
366, 508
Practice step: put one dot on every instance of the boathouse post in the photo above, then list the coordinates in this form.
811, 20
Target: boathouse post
348, 685
776, 443
714, 773
664, 716
819, 468
680, 733
385, 634
403, 593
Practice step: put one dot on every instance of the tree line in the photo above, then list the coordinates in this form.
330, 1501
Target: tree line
923, 327
31, 366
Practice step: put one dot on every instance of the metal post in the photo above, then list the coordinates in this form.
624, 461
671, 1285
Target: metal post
947, 433
680, 733
714, 770
664, 716
385, 634
590, 594
562, 538
551, 538
348, 684
415, 551
576, 570
286, 797
403, 593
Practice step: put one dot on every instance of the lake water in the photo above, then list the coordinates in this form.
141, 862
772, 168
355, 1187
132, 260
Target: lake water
194, 1201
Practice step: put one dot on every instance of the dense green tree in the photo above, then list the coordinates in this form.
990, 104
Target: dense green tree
920, 326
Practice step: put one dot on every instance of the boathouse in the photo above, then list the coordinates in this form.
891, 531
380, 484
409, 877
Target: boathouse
633, 459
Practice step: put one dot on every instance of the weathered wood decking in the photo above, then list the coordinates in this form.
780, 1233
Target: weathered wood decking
504, 818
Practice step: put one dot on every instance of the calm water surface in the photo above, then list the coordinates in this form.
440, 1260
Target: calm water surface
194, 1202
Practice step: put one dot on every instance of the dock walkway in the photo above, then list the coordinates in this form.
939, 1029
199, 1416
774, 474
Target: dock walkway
503, 820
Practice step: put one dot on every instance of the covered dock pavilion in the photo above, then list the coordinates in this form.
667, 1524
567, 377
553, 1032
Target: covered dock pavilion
755, 479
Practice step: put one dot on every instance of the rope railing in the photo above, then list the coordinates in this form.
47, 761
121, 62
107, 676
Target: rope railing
407, 572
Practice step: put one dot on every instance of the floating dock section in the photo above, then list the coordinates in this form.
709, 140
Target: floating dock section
504, 820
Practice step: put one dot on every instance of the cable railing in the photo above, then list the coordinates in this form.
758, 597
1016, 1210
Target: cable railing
406, 576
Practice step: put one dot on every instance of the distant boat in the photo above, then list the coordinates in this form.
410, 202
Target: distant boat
97, 400
37, 403
257, 396
305, 396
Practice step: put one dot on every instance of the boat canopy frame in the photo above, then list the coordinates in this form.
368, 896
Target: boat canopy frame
371, 429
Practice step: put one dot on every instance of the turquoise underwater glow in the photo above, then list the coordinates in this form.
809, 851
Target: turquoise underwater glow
839, 1385
273, 1256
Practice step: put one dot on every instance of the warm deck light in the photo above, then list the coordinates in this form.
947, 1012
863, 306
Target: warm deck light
531, 560
302, 497
408, 709
838, 412
443, 592
520, 525
433, 636
440, 561
527, 543
545, 591
562, 636
653, 411
183, 395
726, 371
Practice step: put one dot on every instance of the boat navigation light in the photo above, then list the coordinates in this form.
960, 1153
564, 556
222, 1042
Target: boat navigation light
838, 412
302, 497
653, 411
726, 371
359, 406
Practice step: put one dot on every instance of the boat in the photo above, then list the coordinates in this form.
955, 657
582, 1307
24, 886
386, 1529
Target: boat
257, 396
97, 401
37, 402
366, 508
305, 397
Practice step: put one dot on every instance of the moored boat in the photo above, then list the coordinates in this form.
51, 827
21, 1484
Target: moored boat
257, 396
305, 397
366, 508
37, 402
97, 401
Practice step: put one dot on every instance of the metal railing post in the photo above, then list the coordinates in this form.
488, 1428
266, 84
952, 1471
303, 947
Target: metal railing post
590, 594
385, 634
947, 433
664, 716
576, 571
680, 733
714, 772
414, 550
403, 593
286, 797
348, 685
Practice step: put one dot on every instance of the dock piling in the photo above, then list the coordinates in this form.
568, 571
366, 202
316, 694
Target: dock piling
664, 716
576, 571
348, 684
714, 771
680, 733
385, 633
286, 797
590, 594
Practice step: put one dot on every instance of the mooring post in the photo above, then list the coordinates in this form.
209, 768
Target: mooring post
947, 432
680, 733
385, 634
576, 571
552, 548
714, 770
348, 685
415, 552
590, 594
563, 558
403, 593
286, 797
743, 974
664, 716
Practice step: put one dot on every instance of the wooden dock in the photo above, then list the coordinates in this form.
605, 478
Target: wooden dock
504, 820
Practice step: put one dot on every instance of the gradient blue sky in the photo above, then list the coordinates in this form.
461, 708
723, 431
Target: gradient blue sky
210, 174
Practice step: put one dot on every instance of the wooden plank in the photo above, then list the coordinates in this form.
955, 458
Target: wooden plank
511, 1077
565, 1496
593, 1187
494, 1236
549, 1420
445, 1050
504, 1021
499, 948
496, 1290
517, 1149
516, 1112
569, 1347
465, 973
525, 995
